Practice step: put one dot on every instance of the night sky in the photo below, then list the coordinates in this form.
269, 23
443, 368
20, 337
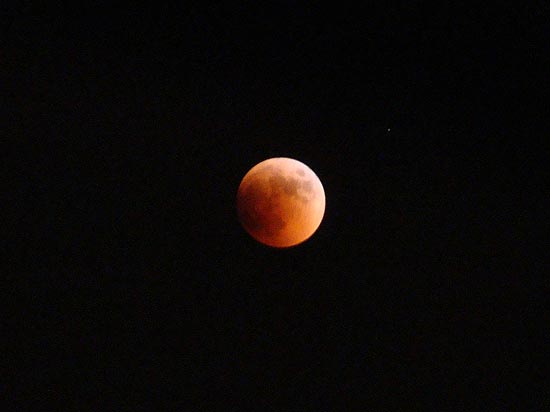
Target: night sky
140, 290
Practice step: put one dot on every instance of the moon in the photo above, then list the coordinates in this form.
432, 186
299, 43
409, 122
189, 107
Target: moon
281, 202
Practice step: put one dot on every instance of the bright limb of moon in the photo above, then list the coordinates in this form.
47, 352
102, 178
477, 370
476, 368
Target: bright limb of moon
281, 202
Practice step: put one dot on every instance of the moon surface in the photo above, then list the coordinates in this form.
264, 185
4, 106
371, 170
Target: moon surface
280, 202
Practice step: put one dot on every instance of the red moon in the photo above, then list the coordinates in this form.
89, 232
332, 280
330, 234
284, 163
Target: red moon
281, 202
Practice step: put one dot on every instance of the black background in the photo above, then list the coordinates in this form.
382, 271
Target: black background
139, 289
